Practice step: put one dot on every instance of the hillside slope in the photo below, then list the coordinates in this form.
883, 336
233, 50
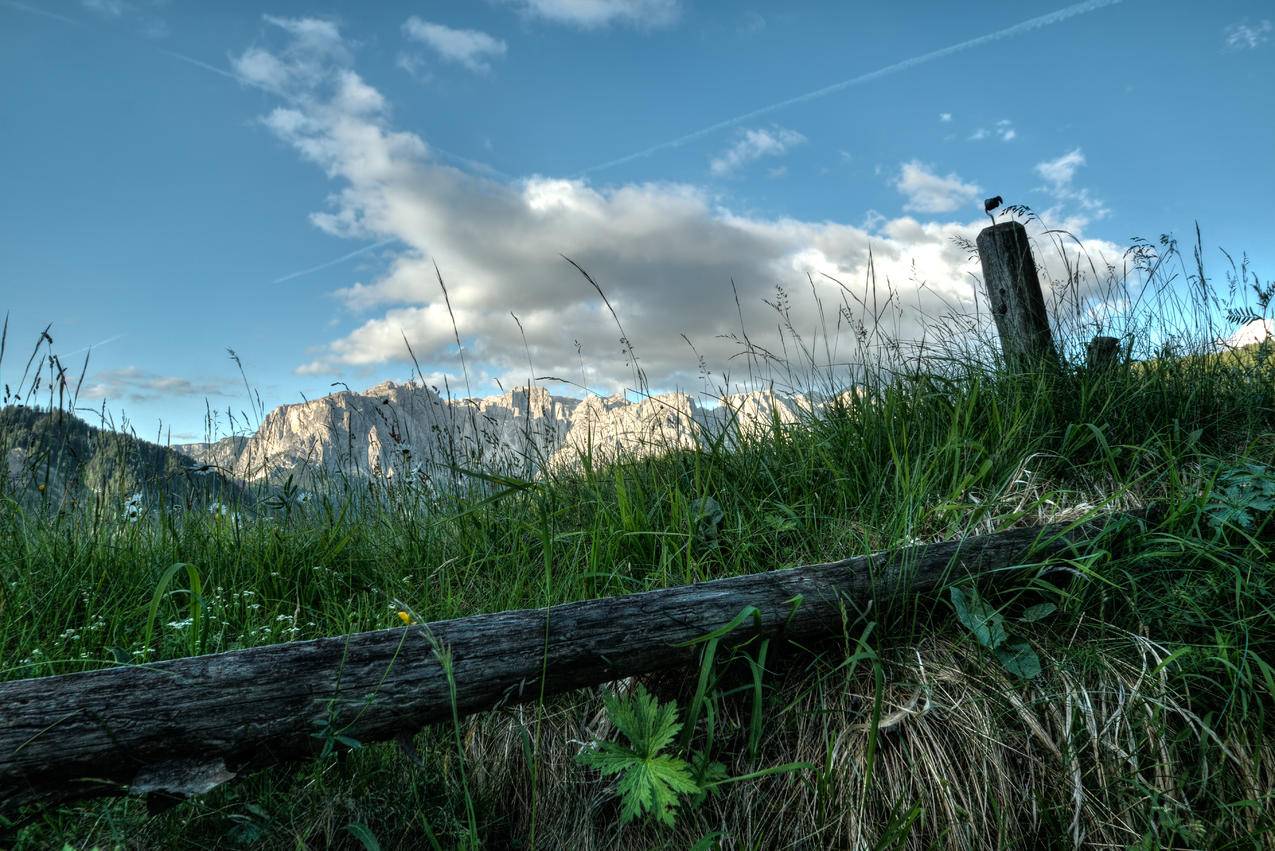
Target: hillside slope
56, 457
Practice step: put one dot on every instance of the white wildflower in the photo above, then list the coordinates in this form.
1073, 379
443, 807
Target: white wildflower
219, 509
133, 508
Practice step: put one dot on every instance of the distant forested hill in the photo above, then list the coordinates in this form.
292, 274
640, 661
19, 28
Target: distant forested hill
56, 457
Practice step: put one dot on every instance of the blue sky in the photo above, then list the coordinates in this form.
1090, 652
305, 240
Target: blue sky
181, 178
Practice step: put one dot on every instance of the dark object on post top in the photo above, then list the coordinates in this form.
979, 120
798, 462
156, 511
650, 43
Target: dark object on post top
991, 204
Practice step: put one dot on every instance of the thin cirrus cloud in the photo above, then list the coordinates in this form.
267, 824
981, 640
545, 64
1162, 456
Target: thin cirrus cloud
137, 385
1003, 130
928, 192
107, 8
665, 253
472, 49
595, 14
752, 145
1246, 36
142, 13
35, 10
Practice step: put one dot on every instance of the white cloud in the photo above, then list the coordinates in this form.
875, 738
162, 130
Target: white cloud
752, 145
1003, 130
928, 192
315, 46
665, 254
1250, 333
471, 48
1246, 36
138, 385
591, 14
945, 117
415, 65
1059, 175
1061, 171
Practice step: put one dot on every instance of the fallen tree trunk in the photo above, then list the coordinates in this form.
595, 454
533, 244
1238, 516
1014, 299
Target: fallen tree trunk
181, 727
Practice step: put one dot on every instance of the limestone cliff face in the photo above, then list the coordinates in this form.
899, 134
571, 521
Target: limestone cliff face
397, 430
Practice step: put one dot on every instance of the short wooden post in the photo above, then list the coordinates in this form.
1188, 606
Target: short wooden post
1103, 353
1009, 273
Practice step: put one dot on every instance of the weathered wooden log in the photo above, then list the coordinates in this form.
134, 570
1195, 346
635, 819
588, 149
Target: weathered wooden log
181, 727
1018, 306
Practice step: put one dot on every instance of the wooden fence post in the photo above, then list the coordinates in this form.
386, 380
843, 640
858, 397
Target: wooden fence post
1009, 273
1103, 353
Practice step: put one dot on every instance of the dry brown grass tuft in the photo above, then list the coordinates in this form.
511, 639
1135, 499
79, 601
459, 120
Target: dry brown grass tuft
966, 757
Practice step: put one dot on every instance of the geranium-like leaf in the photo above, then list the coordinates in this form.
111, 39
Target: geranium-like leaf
651, 783
987, 624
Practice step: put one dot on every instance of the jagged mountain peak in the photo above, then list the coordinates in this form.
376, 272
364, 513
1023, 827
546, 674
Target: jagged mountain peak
396, 429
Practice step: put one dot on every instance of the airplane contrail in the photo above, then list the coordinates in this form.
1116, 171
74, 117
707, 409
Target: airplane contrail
32, 10
341, 259
97, 345
474, 165
1009, 32
198, 63
222, 72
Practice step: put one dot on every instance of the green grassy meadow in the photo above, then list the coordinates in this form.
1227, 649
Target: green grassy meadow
1150, 722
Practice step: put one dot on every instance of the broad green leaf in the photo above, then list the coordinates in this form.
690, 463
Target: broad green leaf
1038, 611
987, 624
708, 517
1020, 660
364, 835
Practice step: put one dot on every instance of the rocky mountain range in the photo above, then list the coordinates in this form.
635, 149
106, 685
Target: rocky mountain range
397, 430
